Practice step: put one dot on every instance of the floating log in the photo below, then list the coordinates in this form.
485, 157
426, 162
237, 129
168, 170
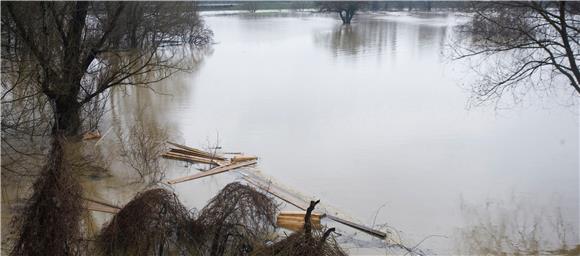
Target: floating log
197, 151
213, 171
243, 158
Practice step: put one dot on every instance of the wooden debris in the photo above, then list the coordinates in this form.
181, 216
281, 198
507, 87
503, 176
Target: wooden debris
295, 220
92, 135
213, 171
368, 230
188, 158
196, 152
94, 205
242, 158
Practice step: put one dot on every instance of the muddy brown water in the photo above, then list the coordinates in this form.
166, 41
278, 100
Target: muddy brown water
370, 118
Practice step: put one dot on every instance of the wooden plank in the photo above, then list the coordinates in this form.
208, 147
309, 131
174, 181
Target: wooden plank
213, 171
198, 151
191, 153
301, 213
101, 202
242, 158
274, 193
188, 158
368, 230
94, 205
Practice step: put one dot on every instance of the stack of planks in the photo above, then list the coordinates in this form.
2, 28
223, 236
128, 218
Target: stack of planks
294, 221
192, 155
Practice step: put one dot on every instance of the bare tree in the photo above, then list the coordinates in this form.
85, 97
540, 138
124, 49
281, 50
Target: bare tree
535, 45
66, 55
345, 9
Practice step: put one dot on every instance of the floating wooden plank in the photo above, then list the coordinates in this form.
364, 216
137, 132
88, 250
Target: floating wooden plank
94, 205
213, 171
301, 214
188, 158
287, 200
242, 158
191, 153
197, 151
368, 230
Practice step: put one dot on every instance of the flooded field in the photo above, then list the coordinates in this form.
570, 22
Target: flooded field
372, 119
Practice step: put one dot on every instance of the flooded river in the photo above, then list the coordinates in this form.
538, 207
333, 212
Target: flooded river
372, 119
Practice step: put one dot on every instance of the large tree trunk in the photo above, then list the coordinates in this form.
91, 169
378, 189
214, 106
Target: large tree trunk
67, 119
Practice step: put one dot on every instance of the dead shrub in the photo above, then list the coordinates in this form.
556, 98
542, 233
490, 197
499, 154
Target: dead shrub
153, 223
237, 220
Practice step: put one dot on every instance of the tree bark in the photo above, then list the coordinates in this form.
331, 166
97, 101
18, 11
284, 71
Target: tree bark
67, 116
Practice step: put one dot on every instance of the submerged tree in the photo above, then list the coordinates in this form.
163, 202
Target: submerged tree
345, 9
50, 223
535, 45
66, 55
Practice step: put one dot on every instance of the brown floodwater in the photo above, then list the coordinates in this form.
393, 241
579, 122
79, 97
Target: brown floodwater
371, 119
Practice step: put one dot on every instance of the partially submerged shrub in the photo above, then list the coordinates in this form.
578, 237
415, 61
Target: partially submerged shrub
50, 222
307, 242
153, 223
237, 220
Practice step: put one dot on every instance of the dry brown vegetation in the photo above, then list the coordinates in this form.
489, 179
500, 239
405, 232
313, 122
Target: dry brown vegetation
152, 223
238, 221
50, 223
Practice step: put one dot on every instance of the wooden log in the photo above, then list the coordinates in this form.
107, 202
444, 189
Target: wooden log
213, 171
197, 151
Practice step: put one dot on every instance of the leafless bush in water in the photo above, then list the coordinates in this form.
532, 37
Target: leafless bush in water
51, 220
515, 228
153, 223
141, 145
306, 242
237, 220
234, 222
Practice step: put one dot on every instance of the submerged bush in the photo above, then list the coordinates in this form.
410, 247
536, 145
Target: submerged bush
153, 223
